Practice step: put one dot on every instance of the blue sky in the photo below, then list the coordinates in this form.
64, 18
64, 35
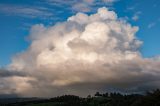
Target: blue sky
17, 17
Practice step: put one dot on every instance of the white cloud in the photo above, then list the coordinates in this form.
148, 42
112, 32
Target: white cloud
80, 56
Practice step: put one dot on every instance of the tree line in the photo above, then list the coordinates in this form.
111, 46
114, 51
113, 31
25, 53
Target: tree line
151, 98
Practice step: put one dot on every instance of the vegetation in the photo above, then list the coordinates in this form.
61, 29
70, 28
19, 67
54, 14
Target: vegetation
106, 99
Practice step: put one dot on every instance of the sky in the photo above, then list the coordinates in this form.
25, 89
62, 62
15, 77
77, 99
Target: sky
17, 17
80, 46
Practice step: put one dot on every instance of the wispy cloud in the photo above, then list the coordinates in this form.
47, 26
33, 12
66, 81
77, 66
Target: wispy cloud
136, 16
25, 11
81, 5
135, 12
154, 23
109, 1
131, 8
48, 11
151, 25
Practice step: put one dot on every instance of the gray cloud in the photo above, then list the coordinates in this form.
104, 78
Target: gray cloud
6, 73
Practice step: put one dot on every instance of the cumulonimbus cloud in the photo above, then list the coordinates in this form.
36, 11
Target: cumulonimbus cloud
84, 54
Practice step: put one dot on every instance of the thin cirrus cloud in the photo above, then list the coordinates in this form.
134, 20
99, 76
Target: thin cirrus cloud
45, 9
89, 5
151, 25
84, 54
81, 5
136, 15
25, 11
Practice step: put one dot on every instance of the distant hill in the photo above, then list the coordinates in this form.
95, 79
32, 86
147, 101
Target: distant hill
106, 99
2, 96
